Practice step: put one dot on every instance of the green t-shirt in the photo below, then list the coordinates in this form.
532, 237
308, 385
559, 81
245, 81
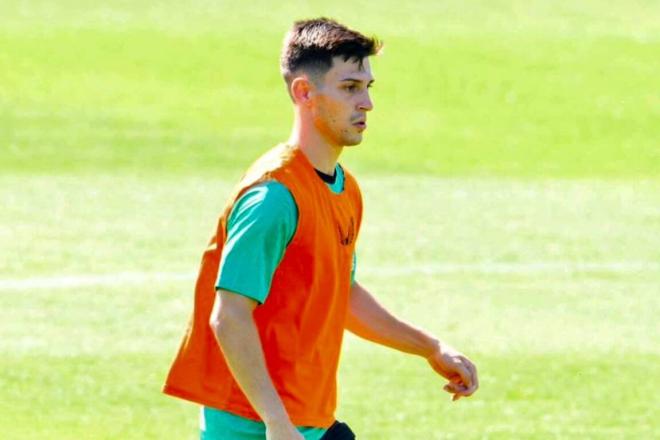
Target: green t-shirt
259, 228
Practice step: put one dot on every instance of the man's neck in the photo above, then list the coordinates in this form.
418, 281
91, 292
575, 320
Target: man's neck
322, 154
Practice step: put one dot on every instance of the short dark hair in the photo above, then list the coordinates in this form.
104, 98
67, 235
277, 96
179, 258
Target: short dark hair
310, 45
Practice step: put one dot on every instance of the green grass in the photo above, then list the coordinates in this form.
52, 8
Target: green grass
564, 351
511, 182
498, 89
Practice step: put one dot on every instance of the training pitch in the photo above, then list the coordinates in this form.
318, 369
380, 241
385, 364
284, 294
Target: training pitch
511, 176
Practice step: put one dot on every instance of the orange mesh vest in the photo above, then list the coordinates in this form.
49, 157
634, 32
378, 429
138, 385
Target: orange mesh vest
301, 323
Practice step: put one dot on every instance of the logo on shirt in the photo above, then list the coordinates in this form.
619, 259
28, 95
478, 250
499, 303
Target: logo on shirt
346, 237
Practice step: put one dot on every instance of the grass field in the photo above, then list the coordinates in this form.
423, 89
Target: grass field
511, 175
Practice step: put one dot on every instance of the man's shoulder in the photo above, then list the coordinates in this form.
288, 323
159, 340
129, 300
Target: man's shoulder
273, 158
271, 194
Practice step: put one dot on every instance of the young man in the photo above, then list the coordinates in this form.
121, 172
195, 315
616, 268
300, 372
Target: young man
276, 288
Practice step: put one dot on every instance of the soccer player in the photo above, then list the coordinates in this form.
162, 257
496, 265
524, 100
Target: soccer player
277, 287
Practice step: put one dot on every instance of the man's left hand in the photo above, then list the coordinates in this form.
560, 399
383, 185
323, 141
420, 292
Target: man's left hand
458, 369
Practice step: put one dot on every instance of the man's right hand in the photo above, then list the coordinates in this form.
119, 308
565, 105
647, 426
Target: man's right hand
282, 431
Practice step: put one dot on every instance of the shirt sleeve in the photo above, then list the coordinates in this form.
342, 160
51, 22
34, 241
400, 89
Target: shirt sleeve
259, 228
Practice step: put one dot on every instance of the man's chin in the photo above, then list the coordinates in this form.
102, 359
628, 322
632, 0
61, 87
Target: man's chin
353, 141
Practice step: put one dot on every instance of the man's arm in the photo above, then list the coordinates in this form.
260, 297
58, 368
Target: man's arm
370, 320
233, 325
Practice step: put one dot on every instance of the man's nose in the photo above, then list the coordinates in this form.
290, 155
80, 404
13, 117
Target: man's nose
366, 104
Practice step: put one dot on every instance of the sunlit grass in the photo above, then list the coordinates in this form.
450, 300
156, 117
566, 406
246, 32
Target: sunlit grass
551, 286
510, 177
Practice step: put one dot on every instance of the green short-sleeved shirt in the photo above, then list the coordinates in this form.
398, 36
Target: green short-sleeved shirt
259, 228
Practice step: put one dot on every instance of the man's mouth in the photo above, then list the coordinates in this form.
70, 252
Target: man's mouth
361, 124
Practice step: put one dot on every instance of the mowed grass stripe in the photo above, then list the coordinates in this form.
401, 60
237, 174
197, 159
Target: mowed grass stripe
68, 226
495, 314
130, 278
555, 101
383, 396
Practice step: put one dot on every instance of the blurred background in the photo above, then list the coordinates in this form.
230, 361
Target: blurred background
511, 176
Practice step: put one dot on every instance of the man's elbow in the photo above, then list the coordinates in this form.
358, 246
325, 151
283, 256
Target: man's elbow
216, 323
222, 319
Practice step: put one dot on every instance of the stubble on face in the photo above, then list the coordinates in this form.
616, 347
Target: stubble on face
333, 121
335, 109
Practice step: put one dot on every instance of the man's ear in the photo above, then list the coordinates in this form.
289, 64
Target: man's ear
301, 90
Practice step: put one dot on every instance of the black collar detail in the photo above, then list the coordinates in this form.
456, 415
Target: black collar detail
327, 178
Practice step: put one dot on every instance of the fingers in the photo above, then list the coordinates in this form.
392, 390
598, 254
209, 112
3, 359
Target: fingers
473, 372
459, 370
464, 372
455, 389
465, 381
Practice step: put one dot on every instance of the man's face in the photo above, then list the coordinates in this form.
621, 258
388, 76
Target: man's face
341, 101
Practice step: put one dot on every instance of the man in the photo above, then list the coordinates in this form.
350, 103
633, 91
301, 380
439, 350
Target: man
277, 287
